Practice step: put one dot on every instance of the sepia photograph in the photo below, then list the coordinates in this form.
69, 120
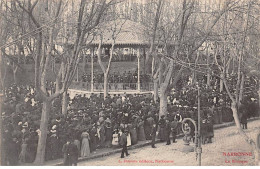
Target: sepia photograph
130, 82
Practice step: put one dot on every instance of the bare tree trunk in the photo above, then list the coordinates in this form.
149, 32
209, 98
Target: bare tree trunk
155, 90
64, 105
84, 63
3, 77
41, 67
40, 156
164, 86
248, 140
15, 78
243, 134
148, 58
221, 85
153, 65
163, 89
228, 68
15, 68
163, 100
208, 68
105, 71
157, 80
233, 66
53, 65
208, 77
241, 88
194, 77
105, 85
235, 114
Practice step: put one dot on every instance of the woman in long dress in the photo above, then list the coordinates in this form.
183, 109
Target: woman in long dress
128, 137
141, 133
133, 133
108, 132
102, 133
85, 150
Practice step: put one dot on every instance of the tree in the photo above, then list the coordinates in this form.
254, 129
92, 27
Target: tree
115, 28
236, 46
86, 23
156, 75
178, 36
12, 28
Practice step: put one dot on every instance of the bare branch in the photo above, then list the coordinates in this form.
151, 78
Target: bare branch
99, 55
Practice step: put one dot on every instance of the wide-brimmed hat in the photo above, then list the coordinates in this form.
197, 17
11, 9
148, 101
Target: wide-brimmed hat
54, 127
25, 125
53, 131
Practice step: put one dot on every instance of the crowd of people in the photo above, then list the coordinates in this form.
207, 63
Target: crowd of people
117, 77
93, 123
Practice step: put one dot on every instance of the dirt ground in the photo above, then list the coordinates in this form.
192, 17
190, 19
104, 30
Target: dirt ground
221, 152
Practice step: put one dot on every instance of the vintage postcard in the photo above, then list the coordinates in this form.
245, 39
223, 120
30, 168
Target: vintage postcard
130, 82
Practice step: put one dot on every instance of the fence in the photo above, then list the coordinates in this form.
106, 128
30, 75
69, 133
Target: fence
86, 86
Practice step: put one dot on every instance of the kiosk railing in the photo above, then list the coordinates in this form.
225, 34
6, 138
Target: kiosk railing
86, 86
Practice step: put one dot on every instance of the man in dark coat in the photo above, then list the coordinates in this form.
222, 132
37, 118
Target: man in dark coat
70, 152
65, 151
13, 152
204, 130
148, 127
161, 133
167, 131
210, 128
174, 126
123, 142
93, 138
73, 151
153, 134
244, 120
243, 114
54, 142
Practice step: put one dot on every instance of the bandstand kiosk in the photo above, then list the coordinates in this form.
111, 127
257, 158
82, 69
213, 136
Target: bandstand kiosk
129, 38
